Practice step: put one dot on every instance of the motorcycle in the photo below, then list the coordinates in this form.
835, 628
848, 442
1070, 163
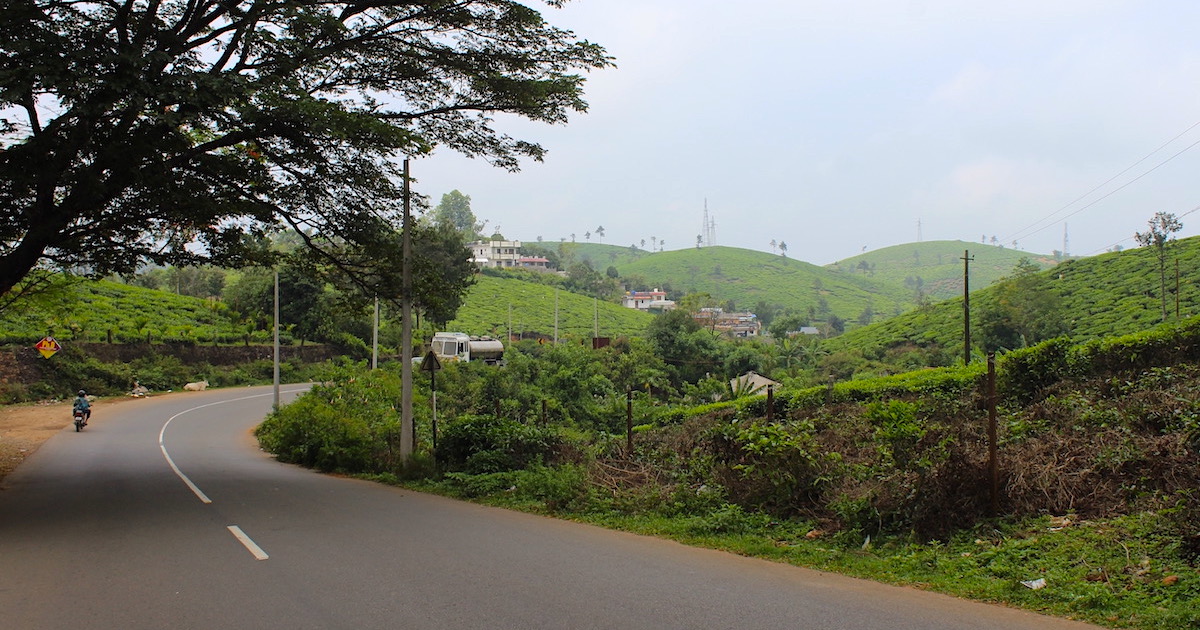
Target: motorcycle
80, 420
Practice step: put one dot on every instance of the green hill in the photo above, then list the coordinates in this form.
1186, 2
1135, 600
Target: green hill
936, 267
887, 279
748, 277
1110, 294
97, 310
495, 304
87, 311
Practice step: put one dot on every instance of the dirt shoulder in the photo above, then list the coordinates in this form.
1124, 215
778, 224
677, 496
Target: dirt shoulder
23, 428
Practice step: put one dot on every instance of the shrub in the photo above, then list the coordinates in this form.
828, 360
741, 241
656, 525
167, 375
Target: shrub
313, 434
729, 519
349, 426
1165, 344
472, 486
897, 429
775, 467
351, 345
1023, 374
558, 488
485, 444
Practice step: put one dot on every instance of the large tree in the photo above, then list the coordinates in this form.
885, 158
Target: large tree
174, 131
689, 350
1021, 310
454, 210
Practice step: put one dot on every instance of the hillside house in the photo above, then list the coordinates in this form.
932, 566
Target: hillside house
739, 324
753, 383
496, 253
537, 263
647, 300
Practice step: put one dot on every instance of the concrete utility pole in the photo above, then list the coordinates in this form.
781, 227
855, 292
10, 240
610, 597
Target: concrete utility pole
406, 393
375, 337
275, 367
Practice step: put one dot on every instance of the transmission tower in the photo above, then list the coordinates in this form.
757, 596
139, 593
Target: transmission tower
709, 229
1066, 242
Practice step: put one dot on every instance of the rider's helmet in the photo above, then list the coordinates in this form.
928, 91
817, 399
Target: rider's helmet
82, 393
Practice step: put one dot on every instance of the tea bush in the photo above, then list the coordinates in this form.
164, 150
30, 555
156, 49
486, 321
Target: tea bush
488, 444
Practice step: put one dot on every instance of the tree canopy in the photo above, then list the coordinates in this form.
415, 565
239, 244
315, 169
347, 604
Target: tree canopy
1024, 310
1162, 226
454, 210
179, 131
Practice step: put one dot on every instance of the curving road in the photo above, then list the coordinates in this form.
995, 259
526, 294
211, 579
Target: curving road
168, 516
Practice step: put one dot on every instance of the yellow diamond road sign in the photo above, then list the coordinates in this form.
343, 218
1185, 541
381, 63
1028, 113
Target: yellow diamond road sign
47, 346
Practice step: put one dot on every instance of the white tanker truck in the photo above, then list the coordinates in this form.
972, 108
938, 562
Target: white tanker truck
456, 346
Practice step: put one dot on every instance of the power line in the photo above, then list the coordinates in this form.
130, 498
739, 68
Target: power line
1110, 247
1024, 232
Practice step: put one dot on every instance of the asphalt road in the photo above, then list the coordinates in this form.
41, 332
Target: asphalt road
168, 516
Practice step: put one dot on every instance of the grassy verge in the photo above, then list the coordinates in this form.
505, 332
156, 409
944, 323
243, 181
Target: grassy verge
1126, 572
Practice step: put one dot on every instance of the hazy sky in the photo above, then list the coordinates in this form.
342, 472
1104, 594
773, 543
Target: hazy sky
834, 126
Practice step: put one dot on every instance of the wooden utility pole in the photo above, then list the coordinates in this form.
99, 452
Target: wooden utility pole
993, 463
629, 422
406, 298
966, 258
1176, 289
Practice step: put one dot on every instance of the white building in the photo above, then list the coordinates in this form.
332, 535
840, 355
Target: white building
647, 300
496, 253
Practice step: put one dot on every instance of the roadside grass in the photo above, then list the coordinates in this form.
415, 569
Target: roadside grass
1127, 572
882, 479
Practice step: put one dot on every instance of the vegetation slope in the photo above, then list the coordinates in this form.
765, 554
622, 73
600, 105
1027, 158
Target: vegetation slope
935, 268
1109, 294
496, 305
104, 310
748, 278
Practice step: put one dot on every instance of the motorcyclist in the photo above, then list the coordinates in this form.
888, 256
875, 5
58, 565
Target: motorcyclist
82, 405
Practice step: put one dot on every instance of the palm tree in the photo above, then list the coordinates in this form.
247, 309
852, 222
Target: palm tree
789, 351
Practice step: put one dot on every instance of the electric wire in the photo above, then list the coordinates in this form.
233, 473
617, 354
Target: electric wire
1109, 248
1025, 231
